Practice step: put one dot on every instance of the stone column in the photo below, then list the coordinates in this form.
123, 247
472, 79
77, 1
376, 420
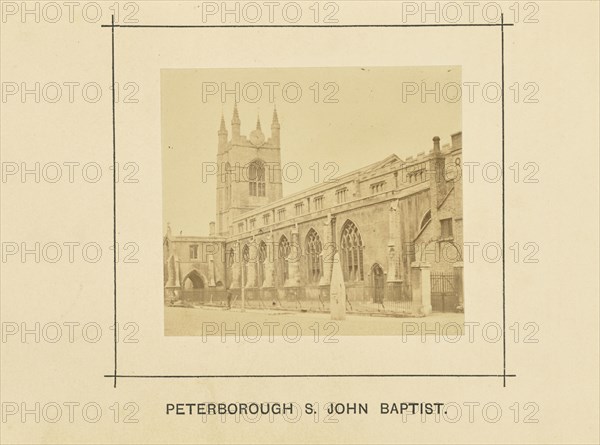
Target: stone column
178, 283
177, 271
392, 264
394, 282
173, 286
235, 271
327, 253
170, 272
337, 293
268, 265
436, 191
211, 271
458, 283
421, 287
395, 275
173, 279
251, 278
293, 260
268, 271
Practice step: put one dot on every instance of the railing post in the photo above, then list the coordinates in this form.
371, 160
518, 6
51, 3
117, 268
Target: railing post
421, 287
458, 283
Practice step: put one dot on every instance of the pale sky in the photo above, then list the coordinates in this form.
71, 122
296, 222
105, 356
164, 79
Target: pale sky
370, 121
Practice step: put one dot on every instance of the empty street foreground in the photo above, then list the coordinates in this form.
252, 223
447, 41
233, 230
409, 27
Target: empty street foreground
206, 321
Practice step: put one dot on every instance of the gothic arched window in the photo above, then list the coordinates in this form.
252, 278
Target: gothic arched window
256, 179
351, 252
313, 254
284, 251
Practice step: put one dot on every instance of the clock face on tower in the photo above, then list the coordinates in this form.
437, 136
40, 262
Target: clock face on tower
257, 138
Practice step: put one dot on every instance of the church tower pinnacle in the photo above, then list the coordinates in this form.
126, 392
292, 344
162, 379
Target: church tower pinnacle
222, 134
275, 127
235, 124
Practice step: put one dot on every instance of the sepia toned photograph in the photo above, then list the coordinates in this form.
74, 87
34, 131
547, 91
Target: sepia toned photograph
306, 195
253, 222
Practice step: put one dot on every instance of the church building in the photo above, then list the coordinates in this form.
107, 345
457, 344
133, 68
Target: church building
396, 225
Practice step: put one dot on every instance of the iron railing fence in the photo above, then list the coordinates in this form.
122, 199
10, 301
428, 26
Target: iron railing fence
359, 299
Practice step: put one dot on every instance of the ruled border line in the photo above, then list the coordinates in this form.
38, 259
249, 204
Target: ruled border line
115, 374
419, 25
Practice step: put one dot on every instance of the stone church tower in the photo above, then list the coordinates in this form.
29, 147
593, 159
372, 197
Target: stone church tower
249, 170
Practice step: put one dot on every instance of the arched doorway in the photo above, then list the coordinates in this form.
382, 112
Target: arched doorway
378, 283
193, 287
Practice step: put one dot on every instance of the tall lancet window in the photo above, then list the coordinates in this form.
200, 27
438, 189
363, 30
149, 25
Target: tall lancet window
351, 252
256, 179
313, 254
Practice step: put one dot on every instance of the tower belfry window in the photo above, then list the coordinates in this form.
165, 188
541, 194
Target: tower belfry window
256, 179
